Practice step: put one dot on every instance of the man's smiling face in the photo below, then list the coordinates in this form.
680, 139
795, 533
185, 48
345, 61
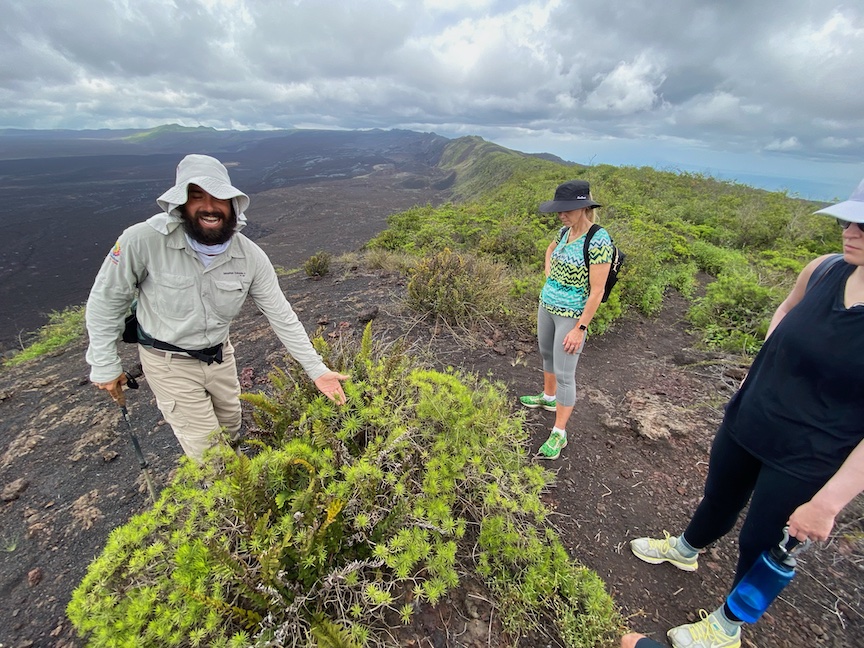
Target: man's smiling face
207, 219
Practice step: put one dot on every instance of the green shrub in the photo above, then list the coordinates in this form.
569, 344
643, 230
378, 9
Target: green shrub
759, 224
655, 255
391, 261
780, 260
607, 313
463, 289
63, 327
513, 243
713, 259
343, 517
735, 311
317, 265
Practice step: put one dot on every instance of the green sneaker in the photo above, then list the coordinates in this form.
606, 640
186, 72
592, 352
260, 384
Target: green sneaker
553, 446
533, 402
656, 551
707, 633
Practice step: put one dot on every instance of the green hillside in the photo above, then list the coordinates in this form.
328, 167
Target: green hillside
679, 230
168, 129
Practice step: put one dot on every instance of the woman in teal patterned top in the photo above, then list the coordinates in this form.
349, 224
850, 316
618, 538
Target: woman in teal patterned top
568, 301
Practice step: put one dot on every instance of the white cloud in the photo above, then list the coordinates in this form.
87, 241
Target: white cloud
629, 88
735, 76
788, 144
810, 63
837, 143
457, 5
720, 109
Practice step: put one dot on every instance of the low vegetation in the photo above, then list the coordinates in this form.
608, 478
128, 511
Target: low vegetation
317, 265
345, 521
468, 290
63, 327
680, 231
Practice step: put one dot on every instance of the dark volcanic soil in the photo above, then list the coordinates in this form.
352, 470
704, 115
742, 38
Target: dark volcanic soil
635, 465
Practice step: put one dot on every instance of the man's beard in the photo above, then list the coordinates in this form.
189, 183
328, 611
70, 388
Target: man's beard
208, 236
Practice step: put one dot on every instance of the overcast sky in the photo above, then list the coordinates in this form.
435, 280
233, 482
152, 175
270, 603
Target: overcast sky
767, 92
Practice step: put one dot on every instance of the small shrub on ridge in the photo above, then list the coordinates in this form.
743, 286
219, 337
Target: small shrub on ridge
317, 265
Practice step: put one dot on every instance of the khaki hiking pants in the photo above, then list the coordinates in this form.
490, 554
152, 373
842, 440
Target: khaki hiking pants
196, 399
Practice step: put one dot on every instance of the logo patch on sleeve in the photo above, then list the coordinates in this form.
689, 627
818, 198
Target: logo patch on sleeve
114, 255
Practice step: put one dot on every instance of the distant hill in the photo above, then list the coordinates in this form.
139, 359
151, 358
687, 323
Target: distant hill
18, 144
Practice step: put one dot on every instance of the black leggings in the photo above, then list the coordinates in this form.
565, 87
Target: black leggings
646, 642
733, 476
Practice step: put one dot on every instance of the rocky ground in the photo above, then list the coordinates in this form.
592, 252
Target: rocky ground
635, 465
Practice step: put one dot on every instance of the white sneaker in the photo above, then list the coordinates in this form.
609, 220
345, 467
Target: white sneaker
707, 633
655, 551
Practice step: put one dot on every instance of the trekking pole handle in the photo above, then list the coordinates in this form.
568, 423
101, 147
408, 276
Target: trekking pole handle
116, 393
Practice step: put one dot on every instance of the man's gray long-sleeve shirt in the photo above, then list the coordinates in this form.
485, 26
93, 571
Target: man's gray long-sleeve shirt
180, 301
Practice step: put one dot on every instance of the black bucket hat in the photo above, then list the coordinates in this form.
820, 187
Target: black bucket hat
574, 194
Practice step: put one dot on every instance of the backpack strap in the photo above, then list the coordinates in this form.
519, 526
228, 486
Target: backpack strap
588, 236
822, 269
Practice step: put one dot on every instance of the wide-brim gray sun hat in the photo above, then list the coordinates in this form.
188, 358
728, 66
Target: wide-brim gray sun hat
851, 210
209, 174
571, 195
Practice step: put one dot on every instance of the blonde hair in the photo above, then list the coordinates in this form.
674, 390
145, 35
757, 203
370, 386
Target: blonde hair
591, 210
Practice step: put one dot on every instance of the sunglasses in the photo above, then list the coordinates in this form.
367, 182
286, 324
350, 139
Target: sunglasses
845, 225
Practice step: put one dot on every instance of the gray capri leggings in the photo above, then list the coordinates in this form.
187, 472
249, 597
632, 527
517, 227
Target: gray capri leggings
551, 330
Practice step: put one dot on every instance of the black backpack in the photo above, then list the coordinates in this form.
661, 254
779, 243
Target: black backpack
130, 325
617, 259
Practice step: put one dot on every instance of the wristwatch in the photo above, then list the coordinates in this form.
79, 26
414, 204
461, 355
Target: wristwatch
582, 327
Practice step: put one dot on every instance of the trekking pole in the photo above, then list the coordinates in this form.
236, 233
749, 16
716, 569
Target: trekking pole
120, 398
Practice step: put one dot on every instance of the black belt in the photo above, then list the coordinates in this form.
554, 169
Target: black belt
209, 355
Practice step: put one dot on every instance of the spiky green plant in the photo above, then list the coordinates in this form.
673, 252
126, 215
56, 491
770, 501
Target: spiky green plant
317, 265
345, 516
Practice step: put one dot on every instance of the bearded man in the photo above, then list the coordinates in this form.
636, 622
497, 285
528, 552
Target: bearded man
190, 269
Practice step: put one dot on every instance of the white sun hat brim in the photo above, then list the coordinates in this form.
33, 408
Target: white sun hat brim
209, 174
851, 210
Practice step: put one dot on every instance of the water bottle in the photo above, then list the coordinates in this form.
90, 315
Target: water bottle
767, 577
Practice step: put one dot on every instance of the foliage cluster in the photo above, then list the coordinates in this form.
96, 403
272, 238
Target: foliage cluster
672, 226
345, 520
282, 271
317, 265
467, 289
62, 328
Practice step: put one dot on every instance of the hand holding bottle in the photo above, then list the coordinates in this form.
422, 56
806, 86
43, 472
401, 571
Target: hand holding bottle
811, 521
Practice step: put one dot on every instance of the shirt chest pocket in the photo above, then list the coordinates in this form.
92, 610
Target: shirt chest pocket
228, 297
175, 296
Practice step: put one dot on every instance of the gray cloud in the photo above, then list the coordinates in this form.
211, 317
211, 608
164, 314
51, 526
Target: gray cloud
777, 77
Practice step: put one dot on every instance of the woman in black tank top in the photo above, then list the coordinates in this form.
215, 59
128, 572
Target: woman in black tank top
792, 438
